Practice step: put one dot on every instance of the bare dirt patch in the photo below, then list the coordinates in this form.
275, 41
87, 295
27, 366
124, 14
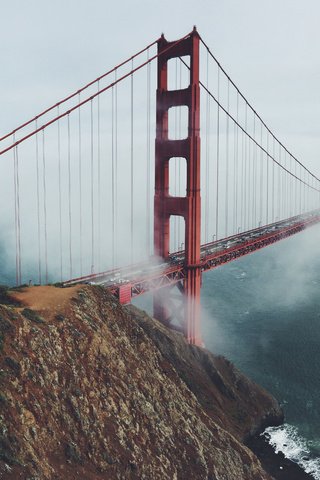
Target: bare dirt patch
47, 300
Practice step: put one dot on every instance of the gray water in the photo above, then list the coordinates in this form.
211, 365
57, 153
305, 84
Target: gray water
263, 313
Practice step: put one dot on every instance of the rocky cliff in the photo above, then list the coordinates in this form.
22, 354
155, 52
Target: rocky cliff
92, 390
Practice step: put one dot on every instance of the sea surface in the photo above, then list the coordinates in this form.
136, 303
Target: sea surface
263, 313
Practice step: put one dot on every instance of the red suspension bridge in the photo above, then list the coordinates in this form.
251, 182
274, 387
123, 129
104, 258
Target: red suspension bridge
87, 198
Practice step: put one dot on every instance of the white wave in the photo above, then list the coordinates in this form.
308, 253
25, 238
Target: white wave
287, 440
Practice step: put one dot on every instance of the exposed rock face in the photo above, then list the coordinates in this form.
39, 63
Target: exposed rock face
95, 391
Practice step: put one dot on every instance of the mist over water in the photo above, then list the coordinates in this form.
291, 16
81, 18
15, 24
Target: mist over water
263, 313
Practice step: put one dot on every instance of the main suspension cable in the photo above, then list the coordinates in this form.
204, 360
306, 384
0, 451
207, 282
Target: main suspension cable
253, 110
69, 97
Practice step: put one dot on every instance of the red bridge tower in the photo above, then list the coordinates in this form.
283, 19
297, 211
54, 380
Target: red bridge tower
187, 313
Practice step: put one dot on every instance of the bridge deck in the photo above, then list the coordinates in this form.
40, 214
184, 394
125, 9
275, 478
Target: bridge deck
134, 280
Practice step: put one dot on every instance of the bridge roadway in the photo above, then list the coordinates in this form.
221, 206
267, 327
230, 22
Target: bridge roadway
134, 280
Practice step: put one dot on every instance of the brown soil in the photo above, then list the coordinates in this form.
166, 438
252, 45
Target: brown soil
47, 300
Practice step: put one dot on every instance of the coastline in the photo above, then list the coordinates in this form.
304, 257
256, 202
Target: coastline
204, 405
279, 467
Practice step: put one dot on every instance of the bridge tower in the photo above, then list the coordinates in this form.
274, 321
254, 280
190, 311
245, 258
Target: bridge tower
187, 312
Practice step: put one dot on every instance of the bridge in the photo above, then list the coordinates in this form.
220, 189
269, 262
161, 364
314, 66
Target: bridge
87, 198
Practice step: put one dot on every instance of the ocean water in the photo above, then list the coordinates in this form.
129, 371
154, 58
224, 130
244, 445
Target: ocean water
263, 313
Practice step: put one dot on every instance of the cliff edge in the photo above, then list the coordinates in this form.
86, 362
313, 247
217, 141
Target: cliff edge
90, 389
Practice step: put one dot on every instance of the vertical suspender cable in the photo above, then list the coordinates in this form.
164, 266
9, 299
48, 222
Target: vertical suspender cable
289, 196
18, 208
45, 207
249, 179
148, 157
60, 201
99, 180
283, 184
92, 187
290, 204
235, 170
131, 167
15, 211
291, 201
227, 164
242, 182
17, 215
305, 191
69, 199
206, 220
80, 186
261, 175
267, 196
245, 171
273, 192
314, 205
112, 174
300, 191
288, 182
296, 190
38, 208
284, 187
116, 171
218, 153
114, 167
280, 191
254, 168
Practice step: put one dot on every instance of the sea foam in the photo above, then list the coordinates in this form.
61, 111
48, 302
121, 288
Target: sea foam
287, 440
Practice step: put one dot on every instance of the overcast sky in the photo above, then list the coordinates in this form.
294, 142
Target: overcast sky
269, 47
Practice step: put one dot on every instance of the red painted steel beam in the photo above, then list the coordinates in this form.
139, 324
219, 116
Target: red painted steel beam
189, 207
173, 275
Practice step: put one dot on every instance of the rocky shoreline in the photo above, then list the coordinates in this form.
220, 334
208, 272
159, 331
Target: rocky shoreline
93, 390
279, 467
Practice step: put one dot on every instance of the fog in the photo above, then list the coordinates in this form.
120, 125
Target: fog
277, 72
